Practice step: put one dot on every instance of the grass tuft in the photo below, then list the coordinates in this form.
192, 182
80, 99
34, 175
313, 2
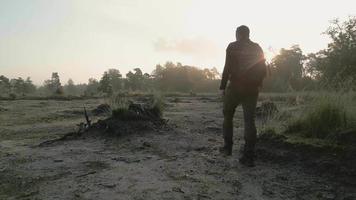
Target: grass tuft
326, 116
118, 101
158, 103
124, 109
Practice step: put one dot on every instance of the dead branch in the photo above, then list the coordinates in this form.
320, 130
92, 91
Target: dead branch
87, 118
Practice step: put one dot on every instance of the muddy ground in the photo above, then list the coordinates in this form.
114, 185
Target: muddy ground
180, 161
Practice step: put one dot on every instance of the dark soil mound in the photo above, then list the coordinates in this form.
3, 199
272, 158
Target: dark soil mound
138, 118
101, 109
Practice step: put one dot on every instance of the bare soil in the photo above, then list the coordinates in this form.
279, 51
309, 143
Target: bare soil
180, 161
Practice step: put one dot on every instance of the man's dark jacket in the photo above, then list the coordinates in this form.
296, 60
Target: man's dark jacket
245, 66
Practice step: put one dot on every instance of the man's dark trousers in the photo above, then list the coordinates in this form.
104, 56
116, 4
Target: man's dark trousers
248, 100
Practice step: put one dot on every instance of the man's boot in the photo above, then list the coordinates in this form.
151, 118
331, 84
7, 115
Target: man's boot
248, 157
226, 149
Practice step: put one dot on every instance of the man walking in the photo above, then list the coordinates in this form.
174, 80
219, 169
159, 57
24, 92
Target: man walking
245, 69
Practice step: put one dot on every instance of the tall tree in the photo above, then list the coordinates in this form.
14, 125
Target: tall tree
184, 78
135, 81
287, 68
337, 63
111, 81
18, 86
54, 84
29, 86
70, 88
92, 87
106, 84
5, 86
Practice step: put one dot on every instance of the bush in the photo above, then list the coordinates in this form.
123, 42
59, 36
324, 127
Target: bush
327, 116
268, 130
158, 103
124, 109
118, 101
125, 114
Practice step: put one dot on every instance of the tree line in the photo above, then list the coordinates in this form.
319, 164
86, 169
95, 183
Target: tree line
290, 70
330, 68
169, 77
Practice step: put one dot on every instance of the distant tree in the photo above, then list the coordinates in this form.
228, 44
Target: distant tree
287, 69
21, 86
215, 72
337, 63
184, 78
158, 72
18, 86
211, 74
70, 88
92, 87
5, 86
115, 79
147, 81
110, 82
105, 84
135, 81
54, 84
29, 86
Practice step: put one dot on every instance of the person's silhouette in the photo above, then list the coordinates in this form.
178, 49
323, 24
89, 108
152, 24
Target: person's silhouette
244, 69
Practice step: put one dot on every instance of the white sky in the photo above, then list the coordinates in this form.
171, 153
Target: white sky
83, 38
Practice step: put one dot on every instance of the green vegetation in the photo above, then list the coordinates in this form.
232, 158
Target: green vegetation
290, 70
325, 116
321, 119
118, 101
125, 109
296, 80
17, 86
158, 103
336, 65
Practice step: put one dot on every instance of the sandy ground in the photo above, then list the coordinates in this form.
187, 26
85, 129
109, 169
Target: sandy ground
181, 162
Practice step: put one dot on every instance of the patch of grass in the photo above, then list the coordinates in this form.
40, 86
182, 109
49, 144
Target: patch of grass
269, 130
124, 109
326, 116
314, 142
118, 101
158, 103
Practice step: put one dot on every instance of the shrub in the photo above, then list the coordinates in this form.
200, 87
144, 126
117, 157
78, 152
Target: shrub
326, 116
125, 114
118, 101
269, 130
158, 103
124, 109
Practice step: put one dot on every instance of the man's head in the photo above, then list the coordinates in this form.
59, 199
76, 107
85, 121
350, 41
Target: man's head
242, 33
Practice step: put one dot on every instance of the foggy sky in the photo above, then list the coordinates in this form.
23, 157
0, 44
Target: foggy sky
82, 38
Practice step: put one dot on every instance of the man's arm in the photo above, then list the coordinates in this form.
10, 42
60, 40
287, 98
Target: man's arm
263, 69
261, 55
226, 72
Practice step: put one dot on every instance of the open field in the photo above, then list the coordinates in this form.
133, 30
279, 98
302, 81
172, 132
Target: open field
180, 161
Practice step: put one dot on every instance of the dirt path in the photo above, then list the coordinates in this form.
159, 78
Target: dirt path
182, 163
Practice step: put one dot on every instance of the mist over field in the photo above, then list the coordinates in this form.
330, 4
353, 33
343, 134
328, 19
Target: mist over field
177, 99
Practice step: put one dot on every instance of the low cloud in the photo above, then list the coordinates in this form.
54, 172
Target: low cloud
196, 47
